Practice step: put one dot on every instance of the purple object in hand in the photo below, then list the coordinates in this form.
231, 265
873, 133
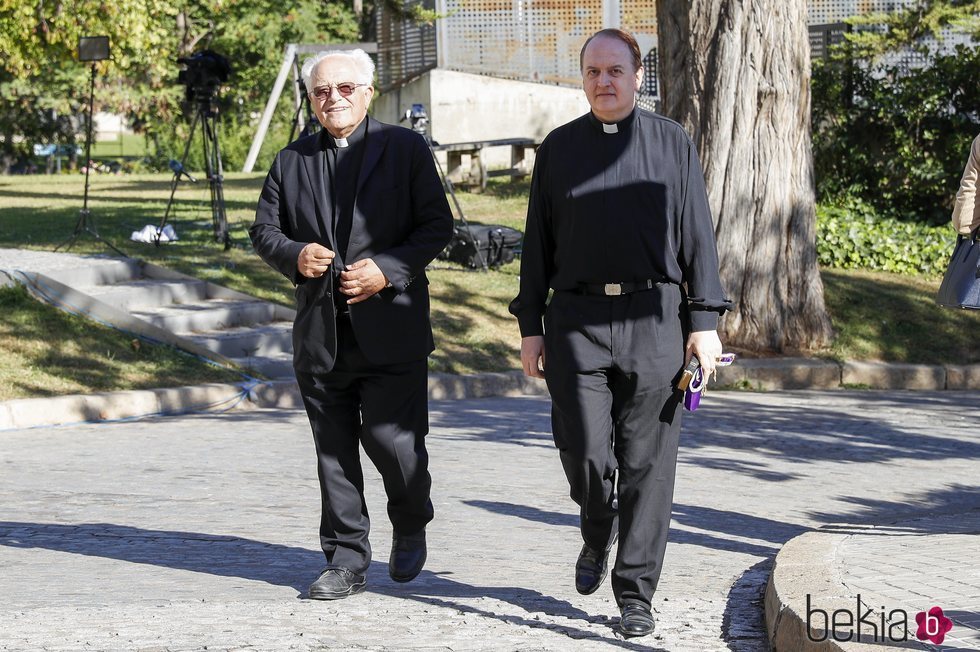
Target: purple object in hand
692, 395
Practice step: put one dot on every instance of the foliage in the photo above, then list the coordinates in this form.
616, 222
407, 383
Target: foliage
146, 37
895, 139
879, 33
43, 87
851, 236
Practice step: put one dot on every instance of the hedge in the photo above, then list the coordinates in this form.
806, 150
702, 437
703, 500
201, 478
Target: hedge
854, 237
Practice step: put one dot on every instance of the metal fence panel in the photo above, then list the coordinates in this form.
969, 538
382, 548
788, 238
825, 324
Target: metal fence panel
405, 49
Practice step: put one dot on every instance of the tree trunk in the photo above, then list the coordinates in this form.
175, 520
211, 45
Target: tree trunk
736, 75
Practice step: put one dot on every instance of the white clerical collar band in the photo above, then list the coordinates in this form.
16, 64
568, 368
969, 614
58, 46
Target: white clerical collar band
610, 129
340, 142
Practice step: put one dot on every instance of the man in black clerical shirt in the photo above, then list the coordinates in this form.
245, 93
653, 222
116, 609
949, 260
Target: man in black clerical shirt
618, 227
352, 216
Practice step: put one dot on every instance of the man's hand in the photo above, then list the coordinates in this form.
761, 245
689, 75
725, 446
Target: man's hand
362, 280
707, 347
314, 260
532, 356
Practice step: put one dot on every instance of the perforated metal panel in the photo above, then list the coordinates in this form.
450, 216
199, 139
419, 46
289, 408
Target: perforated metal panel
824, 37
405, 49
532, 40
540, 40
832, 11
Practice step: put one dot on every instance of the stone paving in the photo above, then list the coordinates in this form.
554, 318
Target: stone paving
199, 532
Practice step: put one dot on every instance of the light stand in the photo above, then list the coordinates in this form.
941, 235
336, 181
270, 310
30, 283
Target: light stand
90, 48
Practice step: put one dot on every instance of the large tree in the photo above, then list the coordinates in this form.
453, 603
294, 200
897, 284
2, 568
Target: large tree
736, 75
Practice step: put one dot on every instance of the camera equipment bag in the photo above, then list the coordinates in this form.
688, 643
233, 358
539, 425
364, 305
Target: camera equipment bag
497, 244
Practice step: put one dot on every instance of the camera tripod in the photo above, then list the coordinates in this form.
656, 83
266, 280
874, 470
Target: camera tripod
207, 116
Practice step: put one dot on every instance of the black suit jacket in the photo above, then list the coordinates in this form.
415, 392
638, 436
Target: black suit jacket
401, 220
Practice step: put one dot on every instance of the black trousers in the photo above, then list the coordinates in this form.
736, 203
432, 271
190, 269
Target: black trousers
384, 408
609, 364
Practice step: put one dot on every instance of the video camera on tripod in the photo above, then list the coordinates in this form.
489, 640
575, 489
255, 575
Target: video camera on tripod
418, 119
202, 76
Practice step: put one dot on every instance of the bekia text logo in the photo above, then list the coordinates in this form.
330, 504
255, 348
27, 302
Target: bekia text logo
862, 624
933, 625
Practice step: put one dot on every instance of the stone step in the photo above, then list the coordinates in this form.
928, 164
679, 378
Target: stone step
271, 366
97, 272
210, 315
247, 343
147, 293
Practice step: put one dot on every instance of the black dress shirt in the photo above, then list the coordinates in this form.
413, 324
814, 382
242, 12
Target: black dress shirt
618, 207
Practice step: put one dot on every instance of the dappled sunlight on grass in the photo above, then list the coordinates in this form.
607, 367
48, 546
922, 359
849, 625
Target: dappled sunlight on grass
880, 316
876, 316
46, 352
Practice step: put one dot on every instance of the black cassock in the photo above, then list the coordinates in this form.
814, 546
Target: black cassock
619, 204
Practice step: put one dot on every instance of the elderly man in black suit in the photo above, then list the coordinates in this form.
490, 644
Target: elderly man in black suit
352, 216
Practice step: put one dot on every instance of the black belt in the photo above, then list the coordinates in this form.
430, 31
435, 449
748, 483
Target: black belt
617, 289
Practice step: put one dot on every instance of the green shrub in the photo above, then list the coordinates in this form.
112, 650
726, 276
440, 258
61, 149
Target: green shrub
895, 138
853, 236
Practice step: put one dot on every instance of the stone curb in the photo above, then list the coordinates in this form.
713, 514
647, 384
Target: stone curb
807, 373
804, 565
111, 406
755, 374
808, 565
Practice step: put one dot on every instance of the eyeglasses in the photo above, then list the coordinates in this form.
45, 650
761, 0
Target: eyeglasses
345, 89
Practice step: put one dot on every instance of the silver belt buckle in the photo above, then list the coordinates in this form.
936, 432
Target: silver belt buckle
612, 289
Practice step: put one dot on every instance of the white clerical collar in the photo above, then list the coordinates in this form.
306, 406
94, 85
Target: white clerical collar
610, 129
340, 142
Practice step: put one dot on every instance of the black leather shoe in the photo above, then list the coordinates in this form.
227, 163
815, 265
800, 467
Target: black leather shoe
636, 620
590, 569
335, 583
407, 556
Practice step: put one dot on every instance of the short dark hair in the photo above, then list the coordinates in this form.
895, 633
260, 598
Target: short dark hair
625, 37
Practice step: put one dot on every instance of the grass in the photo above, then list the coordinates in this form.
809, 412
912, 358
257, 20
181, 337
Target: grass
47, 352
877, 316
894, 318
120, 145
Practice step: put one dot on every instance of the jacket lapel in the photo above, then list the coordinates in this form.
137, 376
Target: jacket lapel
314, 164
374, 147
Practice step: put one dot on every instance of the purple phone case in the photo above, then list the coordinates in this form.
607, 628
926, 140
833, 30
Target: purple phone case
692, 398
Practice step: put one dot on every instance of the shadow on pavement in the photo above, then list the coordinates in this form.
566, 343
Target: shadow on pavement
954, 499
743, 622
289, 566
821, 432
432, 588
702, 518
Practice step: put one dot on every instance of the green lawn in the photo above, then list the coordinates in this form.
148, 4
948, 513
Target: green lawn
47, 352
876, 315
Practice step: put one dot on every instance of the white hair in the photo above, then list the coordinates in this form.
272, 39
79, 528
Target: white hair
362, 62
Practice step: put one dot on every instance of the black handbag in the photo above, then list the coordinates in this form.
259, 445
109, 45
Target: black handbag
961, 284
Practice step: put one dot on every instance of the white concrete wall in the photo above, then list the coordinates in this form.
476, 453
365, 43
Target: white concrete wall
464, 107
108, 126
